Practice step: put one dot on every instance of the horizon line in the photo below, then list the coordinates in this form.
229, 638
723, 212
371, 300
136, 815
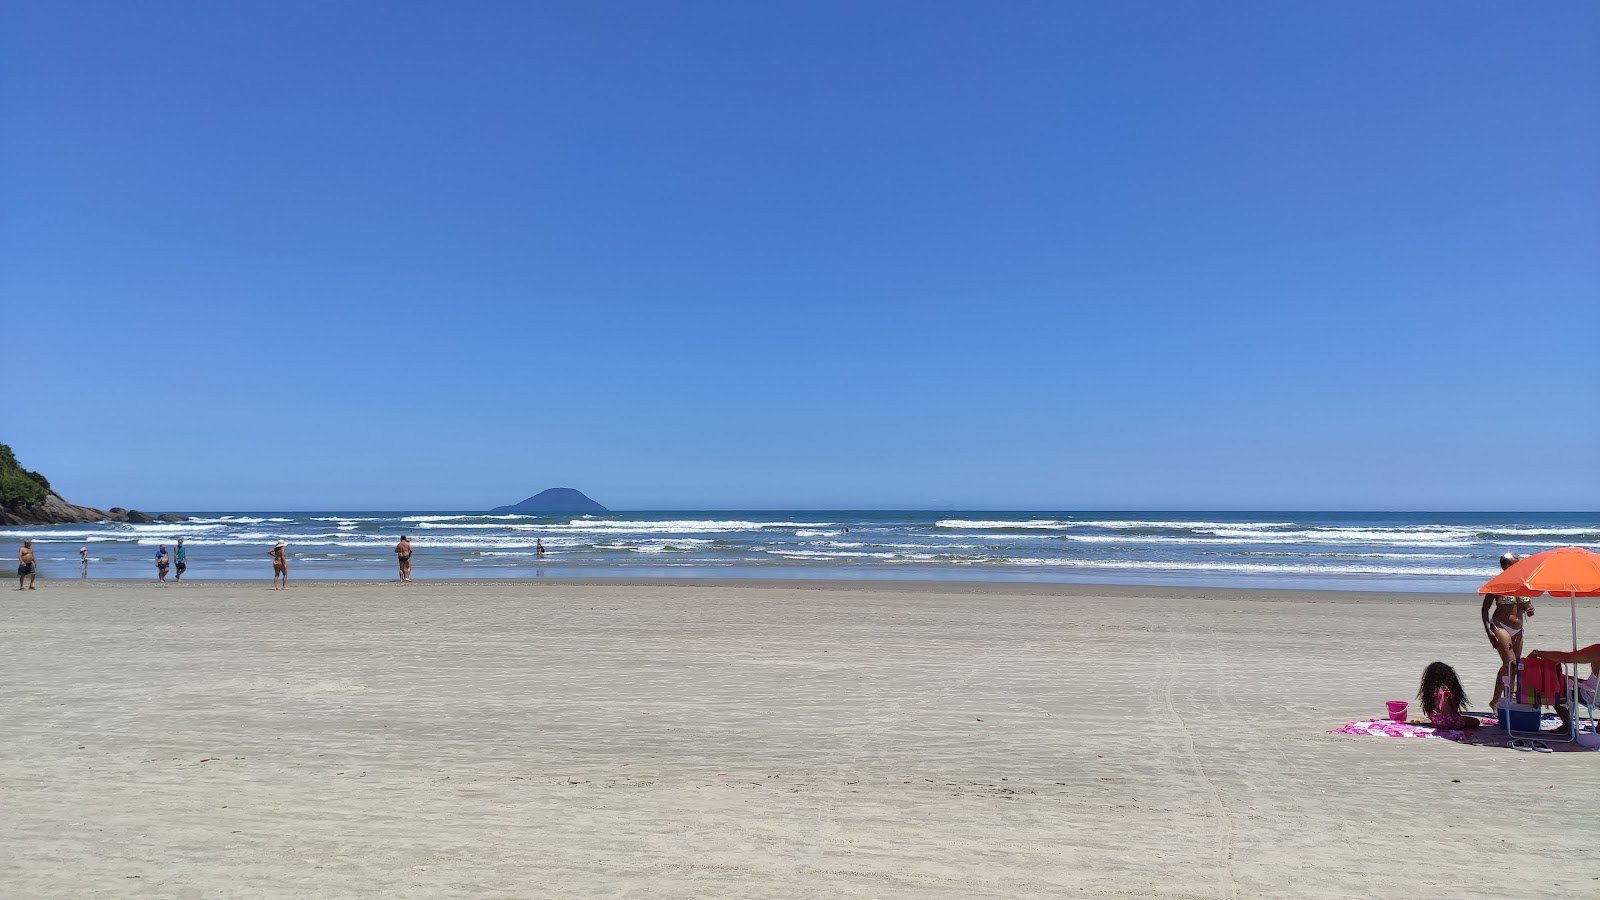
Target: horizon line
910, 509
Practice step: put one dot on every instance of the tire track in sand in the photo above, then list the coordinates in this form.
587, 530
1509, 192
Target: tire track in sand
1226, 886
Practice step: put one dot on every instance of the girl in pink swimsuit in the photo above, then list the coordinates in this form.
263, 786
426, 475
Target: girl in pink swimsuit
1443, 699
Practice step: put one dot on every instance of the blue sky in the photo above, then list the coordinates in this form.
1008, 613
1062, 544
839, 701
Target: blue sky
686, 255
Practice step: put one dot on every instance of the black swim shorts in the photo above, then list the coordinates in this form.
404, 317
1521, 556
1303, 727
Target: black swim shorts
182, 566
24, 569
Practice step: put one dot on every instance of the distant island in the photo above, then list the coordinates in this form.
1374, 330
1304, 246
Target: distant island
554, 500
26, 498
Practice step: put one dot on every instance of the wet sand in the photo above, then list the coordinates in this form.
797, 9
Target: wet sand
739, 739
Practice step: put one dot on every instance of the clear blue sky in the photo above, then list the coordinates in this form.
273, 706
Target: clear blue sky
1026, 255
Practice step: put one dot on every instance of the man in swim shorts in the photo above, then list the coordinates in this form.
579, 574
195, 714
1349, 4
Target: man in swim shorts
180, 559
402, 552
27, 566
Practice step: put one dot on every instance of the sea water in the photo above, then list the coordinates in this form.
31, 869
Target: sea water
1346, 550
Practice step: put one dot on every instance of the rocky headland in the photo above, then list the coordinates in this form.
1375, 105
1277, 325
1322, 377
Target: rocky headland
26, 498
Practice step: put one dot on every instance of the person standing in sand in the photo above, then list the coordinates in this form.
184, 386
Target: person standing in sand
280, 564
27, 566
402, 552
162, 561
180, 559
1502, 620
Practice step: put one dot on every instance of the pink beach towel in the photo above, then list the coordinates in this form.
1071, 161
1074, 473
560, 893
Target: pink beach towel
1385, 728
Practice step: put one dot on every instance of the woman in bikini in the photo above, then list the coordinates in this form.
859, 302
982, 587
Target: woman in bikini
1502, 620
280, 564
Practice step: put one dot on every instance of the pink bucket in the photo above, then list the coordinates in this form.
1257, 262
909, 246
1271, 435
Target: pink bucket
1397, 710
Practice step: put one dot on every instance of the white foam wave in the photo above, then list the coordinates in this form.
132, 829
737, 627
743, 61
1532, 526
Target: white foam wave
1400, 537
1258, 568
679, 526
1116, 524
468, 526
988, 523
174, 527
461, 517
1108, 524
848, 554
1144, 539
1540, 531
617, 527
78, 537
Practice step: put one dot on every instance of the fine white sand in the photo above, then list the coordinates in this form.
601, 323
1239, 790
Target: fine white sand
745, 739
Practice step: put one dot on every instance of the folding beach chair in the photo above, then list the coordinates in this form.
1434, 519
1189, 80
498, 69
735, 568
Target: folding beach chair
1524, 703
1588, 692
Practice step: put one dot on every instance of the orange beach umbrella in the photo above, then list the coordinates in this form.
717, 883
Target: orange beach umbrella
1562, 572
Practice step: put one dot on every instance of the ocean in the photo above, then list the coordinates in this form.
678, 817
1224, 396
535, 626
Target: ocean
1338, 550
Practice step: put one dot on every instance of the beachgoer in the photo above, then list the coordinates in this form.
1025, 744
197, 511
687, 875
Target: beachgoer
1443, 699
280, 564
402, 552
1502, 621
1589, 654
83, 556
180, 558
538, 548
162, 561
27, 566
1588, 688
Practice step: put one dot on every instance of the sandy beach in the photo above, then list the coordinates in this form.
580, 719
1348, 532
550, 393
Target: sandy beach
739, 739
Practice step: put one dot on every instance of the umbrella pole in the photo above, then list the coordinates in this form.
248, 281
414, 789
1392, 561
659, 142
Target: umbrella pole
1572, 683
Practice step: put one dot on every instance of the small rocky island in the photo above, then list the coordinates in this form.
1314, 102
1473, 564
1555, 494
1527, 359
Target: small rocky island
554, 500
26, 498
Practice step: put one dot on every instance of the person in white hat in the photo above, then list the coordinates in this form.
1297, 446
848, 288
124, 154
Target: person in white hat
1502, 620
280, 564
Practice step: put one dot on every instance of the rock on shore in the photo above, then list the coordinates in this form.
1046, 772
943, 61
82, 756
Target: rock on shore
57, 511
53, 511
26, 498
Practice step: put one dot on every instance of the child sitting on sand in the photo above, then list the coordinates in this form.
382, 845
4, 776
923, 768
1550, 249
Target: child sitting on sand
1443, 699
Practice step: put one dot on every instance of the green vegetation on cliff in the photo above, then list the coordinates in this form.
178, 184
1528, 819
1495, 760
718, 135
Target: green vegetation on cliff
18, 486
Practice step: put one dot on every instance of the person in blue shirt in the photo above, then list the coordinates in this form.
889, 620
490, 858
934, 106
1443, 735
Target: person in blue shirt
180, 558
162, 561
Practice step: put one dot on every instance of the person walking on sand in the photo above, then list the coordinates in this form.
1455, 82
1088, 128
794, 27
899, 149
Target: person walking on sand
162, 561
1502, 620
402, 552
27, 566
180, 559
280, 565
